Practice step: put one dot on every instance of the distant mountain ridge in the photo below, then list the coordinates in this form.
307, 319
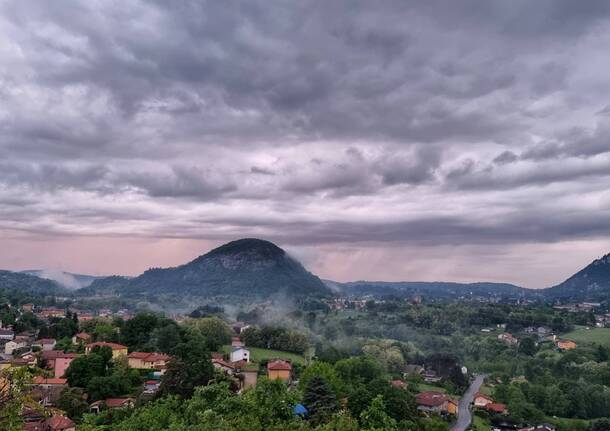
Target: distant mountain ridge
438, 290
254, 269
247, 269
590, 283
64, 279
29, 284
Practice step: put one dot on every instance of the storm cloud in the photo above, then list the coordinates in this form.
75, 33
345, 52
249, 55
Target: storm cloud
354, 128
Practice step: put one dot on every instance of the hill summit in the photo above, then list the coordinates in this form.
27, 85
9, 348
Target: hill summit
591, 283
248, 268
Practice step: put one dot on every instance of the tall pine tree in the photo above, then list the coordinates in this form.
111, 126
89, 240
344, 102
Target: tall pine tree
319, 399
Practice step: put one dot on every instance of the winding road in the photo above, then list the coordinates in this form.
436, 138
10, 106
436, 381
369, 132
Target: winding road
464, 415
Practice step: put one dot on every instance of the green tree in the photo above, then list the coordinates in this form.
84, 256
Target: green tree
167, 338
84, 368
191, 367
325, 370
601, 425
73, 401
215, 331
374, 418
527, 346
137, 330
13, 396
319, 399
341, 421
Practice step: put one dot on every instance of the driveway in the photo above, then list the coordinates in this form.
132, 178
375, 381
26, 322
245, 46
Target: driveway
464, 415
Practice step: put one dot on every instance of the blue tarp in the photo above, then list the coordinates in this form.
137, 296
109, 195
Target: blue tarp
300, 410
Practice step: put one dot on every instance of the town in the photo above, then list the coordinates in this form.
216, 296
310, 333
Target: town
77, 366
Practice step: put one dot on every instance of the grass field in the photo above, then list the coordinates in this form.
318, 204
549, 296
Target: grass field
479, 424
589, 336
486, 390
257, 354
423, 387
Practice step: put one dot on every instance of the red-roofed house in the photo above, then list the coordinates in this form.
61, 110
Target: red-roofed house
221, 364
279, 369
111, 403
432, 401
81, 337
147, 360
49, 389
496, 408
57, 361
60, 423
481, 400
398, 384
508, 338
436, 402
117, 349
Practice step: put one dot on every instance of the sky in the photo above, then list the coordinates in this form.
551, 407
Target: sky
388, 140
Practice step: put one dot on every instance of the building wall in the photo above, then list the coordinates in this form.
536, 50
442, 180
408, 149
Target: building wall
136, 363
250, 379
61, 365
283, 375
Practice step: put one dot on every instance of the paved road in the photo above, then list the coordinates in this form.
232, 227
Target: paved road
464, 416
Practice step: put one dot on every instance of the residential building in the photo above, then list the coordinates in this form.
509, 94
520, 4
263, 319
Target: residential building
436, 402
543, 427
151, 386
240, 354
51, 312
249, 376
496, 408
398, 384
54, 423
481, 400
223, 365
508, 338
147, 360
81, 337
49, 389
112, 403
565, 344
430, 376
45, 344
236, 342
18, 343
7, 334
414, 369
117, 349
62, 362
279, 369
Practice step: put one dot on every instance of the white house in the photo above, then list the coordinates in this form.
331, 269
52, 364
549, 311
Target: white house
240, 354
6, 334
13, 345
45, 344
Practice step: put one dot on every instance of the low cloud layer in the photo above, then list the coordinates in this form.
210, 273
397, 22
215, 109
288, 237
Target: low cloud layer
393, 129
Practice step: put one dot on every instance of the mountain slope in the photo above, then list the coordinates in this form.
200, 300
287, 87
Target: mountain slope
30, 284
246, 269
436, 290
64, 279
590, 283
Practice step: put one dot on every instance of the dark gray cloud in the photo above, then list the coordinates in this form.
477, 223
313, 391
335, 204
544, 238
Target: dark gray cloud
447, 122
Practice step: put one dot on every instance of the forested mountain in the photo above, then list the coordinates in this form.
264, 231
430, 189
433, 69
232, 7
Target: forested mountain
438, 290
249, 269
244, 269
590, 283
30, 284
64, 279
